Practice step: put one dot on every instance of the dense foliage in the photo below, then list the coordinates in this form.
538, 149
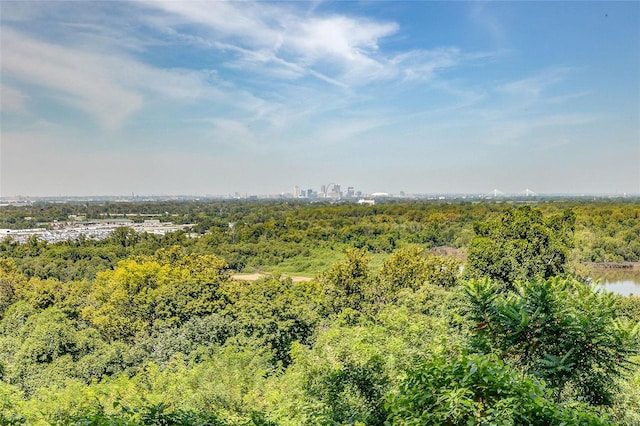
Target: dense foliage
558, 330
300, 237
140, 329
477, 389
521, 245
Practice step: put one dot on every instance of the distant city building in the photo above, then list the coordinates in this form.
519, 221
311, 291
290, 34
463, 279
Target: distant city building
335, 191
97, 229
350, 192
331, 190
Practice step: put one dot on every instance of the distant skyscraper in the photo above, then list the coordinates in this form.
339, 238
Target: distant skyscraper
296, 191
335, 192
350, 192
323, 191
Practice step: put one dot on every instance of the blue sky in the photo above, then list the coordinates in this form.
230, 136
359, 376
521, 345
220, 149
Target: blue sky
110, 98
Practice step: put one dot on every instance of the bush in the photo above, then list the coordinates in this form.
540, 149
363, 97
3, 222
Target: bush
477, 389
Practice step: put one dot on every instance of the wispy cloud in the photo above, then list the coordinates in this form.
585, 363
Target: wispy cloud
249, 23
84, 79
349, 43
338, 49
484, 18
286, 44
534, 86
12, 99
108, 87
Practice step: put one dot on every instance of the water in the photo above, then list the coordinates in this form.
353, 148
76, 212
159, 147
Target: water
624, 282
625, 288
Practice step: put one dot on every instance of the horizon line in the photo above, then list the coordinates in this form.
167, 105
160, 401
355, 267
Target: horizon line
288, 195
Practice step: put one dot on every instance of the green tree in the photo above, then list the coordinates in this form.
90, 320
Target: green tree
477, 390
405, 268
341, 380
10, 279
521, 245
45, 348
442, 271
410, 267
10, 400
146, 293
124, 236
276, 312
560, 330
346, 282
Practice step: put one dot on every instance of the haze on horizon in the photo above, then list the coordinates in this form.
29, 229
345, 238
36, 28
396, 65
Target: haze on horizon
148, 97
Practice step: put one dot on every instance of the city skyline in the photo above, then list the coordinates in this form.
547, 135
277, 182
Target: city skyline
161, 98
321, 193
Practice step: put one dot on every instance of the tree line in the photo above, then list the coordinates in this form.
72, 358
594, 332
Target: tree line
305, 238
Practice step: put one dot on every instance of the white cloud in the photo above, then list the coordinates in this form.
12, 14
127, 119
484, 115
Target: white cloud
487, 20
347, 41
83, 78
534, 86
423, 64
242, 21
338, 49
108, 87
12, 99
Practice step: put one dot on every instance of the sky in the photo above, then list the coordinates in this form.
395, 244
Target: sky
217, 97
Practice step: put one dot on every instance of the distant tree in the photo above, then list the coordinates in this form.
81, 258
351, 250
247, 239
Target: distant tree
411, 267
124, 236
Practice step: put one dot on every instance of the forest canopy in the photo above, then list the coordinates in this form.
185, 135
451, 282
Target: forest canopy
403, 313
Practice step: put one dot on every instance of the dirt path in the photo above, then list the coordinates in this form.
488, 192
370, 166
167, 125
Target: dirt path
257, 276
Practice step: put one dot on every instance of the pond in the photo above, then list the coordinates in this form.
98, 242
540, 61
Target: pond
624, 282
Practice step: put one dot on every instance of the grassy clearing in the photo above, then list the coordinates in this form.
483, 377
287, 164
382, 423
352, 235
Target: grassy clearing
319, 260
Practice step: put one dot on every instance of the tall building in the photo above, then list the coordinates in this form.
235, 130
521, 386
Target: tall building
350, 192
296, 191
335, 191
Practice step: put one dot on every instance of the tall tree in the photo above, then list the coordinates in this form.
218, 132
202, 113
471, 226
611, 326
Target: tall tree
145, 293
347, 281
560, 330
10, 279
521, 245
